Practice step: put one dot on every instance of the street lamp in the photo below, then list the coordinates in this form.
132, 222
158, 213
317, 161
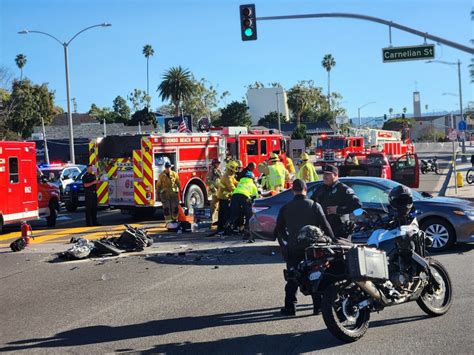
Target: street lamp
65, 46
458, 63
359, 108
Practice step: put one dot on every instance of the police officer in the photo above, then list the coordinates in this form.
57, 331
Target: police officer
277, 174
168, 187
293, 216
212, 181
225, 188
307, 171
241, 203
90, 188
338, 201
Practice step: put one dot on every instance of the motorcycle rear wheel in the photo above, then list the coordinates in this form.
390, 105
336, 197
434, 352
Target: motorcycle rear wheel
436, 302
344, 320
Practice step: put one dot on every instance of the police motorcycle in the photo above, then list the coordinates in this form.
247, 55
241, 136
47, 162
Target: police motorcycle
429, 165
390, 270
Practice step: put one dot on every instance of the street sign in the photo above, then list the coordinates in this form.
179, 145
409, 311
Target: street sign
342, 119
453, 135
398, 54
462, 125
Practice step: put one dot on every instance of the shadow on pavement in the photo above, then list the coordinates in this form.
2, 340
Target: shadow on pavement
259, 343
455, 249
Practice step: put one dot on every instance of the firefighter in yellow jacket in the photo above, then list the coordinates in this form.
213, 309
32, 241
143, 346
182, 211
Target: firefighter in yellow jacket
307, 170
225, 187
212, 181
277, 174
168, 187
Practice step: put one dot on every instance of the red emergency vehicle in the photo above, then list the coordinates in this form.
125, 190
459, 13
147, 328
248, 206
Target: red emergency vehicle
25, 194
129, 166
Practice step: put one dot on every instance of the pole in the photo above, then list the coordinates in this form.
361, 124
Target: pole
46, 153
278, 112
69, 114
105, 129
454, 166
358, 112
463, 156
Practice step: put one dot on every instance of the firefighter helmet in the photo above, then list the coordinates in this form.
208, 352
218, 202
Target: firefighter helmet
239, 164
232, 166
304, 156
274, 157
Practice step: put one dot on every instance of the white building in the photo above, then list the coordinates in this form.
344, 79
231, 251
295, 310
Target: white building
263, 101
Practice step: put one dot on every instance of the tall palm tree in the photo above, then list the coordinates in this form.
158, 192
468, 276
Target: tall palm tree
177, 85
328, 63
20, 61
390, 111
147, 52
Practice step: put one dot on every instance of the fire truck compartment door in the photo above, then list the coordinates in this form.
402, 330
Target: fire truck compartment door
121, 188
406, 171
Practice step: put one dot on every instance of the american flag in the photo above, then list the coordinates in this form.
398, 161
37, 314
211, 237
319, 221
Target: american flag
182, 126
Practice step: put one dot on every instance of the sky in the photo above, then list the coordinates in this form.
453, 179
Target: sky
204, 36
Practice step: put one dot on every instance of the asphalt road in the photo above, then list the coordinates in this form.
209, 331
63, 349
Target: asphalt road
223, 303
432, 182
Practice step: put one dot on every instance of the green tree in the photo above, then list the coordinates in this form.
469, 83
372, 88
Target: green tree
328, 63
300, 133
404, 110
29, 103
148, 52
139, 99
271, 117
256, 85
121, 109
235, 114
202, 100
20, 61
304, 96
143, 116
177, 85
390, 111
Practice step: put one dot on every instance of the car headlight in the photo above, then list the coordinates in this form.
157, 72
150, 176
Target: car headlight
467, 213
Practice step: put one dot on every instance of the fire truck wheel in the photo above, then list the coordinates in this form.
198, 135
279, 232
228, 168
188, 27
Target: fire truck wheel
51, 219
194, 197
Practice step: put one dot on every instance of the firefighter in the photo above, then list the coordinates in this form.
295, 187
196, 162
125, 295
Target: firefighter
307, 171
277, 174
168, 187
212, 180
241, 204
337, 200
225, 187
286, 160
263, 170
90, 188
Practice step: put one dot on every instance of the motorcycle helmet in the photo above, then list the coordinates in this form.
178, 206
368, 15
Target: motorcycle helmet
401, 199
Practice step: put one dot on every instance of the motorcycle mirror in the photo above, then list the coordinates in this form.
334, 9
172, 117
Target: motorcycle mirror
358, 212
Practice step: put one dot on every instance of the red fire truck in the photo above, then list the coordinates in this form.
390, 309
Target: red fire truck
129, 166
26, 195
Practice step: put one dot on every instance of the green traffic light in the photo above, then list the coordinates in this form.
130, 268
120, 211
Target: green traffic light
248, 32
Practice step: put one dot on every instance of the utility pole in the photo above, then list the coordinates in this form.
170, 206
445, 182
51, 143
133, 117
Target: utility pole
46, 153
278, 112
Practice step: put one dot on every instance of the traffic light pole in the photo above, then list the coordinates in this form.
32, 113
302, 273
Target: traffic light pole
391, 24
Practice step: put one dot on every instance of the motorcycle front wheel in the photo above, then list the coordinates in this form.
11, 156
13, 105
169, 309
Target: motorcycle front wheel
341, 315
436, 300
436, 170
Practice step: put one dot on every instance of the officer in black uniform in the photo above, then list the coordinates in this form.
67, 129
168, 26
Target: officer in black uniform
90, 188
337, 200
293, 216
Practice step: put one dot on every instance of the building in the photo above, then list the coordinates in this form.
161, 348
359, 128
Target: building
436, 126
265, 100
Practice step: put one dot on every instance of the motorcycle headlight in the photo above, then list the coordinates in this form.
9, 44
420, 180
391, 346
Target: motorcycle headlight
467, 213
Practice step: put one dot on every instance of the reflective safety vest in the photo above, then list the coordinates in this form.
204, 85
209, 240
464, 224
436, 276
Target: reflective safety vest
276, 176
168, 183
308, 172
246, 187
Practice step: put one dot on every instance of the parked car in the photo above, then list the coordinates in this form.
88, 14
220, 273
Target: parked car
74, 195
447, 220
61, 174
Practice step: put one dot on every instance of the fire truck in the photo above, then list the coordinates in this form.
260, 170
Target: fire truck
129, 166
26, 193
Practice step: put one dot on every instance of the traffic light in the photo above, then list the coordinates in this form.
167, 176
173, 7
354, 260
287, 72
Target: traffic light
248, 22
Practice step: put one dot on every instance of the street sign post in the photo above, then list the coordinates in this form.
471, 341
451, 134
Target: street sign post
462, 125
398, 54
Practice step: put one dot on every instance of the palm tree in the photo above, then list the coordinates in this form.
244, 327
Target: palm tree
328, 63
404, 110
390, 111
177, 85
147, 52
20, 61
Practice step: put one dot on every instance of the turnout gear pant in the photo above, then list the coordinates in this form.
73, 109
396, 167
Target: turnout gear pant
240, 208
170, 203
223, 215
214, 208
91, 208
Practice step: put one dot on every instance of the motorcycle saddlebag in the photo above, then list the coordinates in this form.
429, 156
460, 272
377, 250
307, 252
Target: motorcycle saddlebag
367, 264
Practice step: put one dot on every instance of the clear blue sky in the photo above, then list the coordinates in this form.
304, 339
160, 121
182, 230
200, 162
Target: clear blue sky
204, 36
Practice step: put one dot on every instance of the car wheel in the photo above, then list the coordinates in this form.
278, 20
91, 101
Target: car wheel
71, 207
441, 232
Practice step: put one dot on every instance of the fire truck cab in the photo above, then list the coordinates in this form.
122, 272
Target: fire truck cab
334, 148
26, 195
